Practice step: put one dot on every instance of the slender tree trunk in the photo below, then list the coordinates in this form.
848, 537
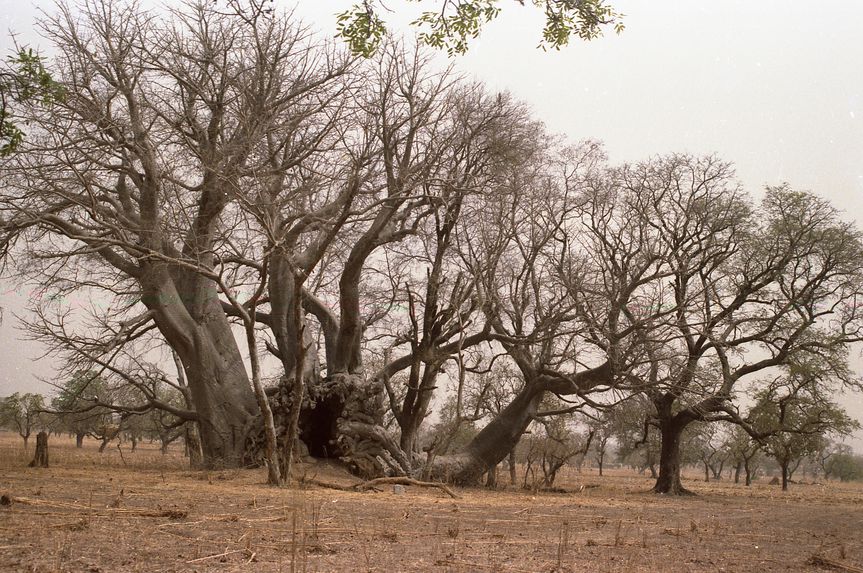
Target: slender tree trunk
298, 328
783, 464
26, 441
415, 406
513, 477
193, 444
668, 481
600, 462
79, 440
706, 472
274, 474
737, 469
491, 477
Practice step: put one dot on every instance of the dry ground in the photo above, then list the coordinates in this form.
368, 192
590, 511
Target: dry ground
146, 512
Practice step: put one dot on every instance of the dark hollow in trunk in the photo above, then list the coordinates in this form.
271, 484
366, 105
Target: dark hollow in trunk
318, 426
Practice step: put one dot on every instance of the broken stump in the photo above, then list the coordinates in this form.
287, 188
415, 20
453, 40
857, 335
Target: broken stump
40, 460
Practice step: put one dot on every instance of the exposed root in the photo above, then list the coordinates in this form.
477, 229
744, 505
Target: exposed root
680, 490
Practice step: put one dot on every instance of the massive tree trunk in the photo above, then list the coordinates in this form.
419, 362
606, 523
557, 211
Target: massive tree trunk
362, 441
223, 399
668, 481
192, 321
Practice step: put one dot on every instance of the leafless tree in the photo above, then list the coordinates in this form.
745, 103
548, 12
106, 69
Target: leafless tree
713, 290
126, 184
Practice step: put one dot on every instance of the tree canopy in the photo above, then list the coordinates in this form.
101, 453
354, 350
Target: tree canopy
390, 238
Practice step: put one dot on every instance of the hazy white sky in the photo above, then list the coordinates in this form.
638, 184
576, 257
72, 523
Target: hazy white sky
775, 86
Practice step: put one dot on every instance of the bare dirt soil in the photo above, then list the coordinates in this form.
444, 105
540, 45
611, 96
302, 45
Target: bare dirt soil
141, 511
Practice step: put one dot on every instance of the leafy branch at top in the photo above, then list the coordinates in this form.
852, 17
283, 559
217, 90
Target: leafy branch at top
23, 79
457, 22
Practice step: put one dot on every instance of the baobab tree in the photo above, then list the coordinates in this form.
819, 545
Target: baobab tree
128, 179
215, 167
198, 151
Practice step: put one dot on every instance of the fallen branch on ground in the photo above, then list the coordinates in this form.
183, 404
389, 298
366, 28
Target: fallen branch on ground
362, 486
312, 481
224, 554
821, 561
404, 481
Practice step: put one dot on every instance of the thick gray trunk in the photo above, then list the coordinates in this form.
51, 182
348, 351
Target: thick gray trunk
189, 315
222, 396
492, 444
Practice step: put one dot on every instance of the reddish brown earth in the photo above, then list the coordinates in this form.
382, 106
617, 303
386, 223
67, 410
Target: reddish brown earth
145, 512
